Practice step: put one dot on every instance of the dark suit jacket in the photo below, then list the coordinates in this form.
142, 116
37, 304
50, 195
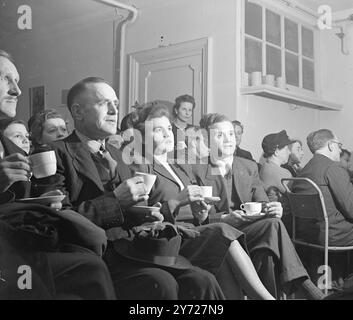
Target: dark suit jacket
79, 178
338, 195
246, 182
243, 154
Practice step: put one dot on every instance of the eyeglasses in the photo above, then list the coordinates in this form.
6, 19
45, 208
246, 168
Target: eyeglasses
340, 145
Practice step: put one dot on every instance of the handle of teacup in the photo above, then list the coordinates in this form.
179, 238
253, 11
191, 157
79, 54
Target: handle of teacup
242, 206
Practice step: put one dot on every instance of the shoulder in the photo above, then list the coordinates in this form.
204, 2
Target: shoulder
244, 154
246, 163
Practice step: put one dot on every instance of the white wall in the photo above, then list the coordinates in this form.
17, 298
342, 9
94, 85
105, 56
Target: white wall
59, 58
337, 80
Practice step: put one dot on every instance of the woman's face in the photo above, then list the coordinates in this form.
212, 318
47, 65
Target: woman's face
53, 129
18, 134
222, 139
184, 113
159, 131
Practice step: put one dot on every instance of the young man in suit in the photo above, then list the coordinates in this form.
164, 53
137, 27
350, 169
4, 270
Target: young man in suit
79, 275
100, 186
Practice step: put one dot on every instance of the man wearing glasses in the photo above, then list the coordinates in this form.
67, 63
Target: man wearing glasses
324, 169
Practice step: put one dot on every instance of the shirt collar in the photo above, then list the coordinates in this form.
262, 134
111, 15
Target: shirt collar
93, 146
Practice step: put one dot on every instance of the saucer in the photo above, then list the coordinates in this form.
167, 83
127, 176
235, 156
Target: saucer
212, 199
143, 209
43, 200
254, 216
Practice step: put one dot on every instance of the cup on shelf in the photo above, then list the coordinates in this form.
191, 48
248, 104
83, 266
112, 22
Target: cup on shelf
270, 79
256, 78
281, 82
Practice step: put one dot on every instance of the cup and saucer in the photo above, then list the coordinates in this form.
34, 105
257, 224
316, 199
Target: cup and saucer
252, 210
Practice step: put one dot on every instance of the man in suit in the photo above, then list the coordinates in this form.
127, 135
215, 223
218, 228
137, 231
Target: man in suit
100, 186
81, 274
324, 169
236, 180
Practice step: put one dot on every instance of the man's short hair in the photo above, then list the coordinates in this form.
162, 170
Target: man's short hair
80, 87
6, 55
294, 141
318, 139
239, 124
184, 98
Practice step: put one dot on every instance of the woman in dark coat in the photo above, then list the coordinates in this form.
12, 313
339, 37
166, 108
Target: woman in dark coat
218, 247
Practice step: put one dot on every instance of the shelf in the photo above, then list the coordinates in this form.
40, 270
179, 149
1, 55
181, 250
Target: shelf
271, 92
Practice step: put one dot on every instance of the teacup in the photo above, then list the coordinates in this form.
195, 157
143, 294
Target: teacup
43, 164
251, 207
148, 180
206, 191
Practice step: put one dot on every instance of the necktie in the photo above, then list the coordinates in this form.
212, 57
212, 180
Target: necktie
108, 161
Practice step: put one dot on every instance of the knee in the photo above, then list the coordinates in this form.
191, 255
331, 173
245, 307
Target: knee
162, 284
199, 285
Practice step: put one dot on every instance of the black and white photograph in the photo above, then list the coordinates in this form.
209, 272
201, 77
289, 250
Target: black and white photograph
162, 150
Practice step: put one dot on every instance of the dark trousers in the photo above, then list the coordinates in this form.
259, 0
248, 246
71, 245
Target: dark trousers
138, 281
273, 254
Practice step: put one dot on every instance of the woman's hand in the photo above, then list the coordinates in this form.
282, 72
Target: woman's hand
200, 210
235, 218
189, 194
275, 209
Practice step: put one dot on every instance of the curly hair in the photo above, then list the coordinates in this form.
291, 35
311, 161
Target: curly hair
36, 123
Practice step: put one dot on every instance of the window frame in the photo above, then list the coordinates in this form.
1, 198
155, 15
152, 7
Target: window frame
300, 21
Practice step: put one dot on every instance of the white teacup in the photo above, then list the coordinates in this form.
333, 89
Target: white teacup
148, 180
43, 164
206, 191
251, 207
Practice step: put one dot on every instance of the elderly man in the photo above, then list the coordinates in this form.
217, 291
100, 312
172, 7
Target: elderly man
100, 187
78, 274
324, 169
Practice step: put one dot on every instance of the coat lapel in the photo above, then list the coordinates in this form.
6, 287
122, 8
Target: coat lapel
238, 173
82, 160
163, 172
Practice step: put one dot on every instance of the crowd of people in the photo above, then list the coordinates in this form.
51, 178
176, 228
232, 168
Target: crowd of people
94, 244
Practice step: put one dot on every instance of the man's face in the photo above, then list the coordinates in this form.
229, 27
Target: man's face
283, 154
98, 114
336, 148
222, 139
238, 134
184, 113
9, 90
297, 153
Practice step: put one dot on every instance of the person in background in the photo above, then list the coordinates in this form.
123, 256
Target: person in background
276, 152
16, 131
345, 162
274, 194
239, 130
183, 110
295, 157
47, 126
197, 150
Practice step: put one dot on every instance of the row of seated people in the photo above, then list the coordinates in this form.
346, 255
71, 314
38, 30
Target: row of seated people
221, 250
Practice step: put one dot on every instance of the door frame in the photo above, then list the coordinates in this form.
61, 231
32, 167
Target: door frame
171, 52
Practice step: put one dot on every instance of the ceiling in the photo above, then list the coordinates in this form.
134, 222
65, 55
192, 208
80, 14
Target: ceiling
336, 5
46, 13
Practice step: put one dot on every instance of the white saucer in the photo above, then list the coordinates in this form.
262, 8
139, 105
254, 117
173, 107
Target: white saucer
144, 209
43, 200
212, 199
254, 216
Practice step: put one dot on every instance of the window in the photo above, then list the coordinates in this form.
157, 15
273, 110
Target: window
278, 44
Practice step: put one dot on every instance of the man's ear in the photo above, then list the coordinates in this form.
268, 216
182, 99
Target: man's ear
76, 111
329, 145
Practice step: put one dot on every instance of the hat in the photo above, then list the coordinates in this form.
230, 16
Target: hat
157, 244
275, 140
